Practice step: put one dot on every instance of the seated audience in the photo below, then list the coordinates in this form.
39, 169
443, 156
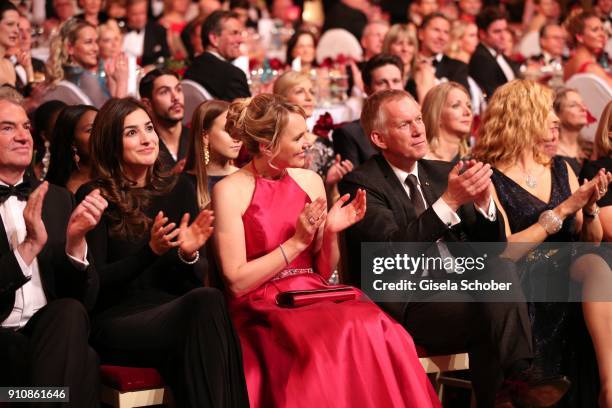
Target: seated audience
552, 43
173, 20
273, 233
59, 12
489, 66
540, 200
191, 36
152, 310
415, 200
162, 93
602, 155
372, 38
422, 8
221, 38
433, 40
379, 73
297, 88
302, 45
447, 115
28, 70
75, 58
212, 149
469, 9
92, 12
9, 37
546, 12
144, 40
70, 163
110, 42
401, 40
46, 281
463, 41
43, 124
573, 116
587, 37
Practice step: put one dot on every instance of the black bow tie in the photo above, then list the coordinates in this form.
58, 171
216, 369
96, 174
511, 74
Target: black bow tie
21, 191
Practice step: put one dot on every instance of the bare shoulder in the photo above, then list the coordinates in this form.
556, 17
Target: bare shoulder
309, 181
238, 186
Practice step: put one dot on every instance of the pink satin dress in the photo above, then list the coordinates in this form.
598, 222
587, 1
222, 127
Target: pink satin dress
348, 354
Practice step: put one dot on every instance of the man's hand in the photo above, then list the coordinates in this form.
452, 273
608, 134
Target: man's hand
82, 220
36, 233
471, 185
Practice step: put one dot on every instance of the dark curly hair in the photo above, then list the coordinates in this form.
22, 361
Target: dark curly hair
126, 201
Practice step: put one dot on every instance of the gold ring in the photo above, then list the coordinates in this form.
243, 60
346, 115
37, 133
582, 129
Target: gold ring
311, 220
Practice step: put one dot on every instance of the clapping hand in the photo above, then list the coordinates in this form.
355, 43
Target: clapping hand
82, 220
36, 233
309, 221
193, 237
341, 217
599, 188
162, 235
471, 185
338, 170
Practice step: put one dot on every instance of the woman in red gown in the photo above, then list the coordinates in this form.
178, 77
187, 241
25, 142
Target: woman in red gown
274, 234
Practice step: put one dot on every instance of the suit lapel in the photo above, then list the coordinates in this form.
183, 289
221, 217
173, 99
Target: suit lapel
395, 186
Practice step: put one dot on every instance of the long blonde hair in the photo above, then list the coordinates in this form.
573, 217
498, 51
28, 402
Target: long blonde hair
603, 146
396, 33
260, 120
68, 34
515, 120
432, 112
201, 123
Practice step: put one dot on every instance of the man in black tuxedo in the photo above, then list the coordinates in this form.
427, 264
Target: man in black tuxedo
415, 200
552, 41
145, 40
221, 37
380, 72
489, 66
434, 35
45, 278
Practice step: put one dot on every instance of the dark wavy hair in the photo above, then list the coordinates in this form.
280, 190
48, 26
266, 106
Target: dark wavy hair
62, 163
126, 202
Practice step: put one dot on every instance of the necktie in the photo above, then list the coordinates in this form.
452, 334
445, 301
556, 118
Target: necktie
415, 195
21, 191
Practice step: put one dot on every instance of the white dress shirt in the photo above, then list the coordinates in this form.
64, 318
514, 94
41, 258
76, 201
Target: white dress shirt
29, 298
442, 210
503, 64
133, 43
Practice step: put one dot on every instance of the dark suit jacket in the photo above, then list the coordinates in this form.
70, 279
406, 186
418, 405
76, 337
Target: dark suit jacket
222, 79
390, 216
483, 68
155, 44
449, 68
58, 276
352, 144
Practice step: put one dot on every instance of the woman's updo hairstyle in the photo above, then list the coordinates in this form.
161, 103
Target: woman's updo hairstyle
260, 120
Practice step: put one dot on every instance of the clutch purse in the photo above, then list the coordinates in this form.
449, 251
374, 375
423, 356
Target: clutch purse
297, 298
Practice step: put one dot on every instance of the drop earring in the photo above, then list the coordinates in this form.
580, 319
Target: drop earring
206, 154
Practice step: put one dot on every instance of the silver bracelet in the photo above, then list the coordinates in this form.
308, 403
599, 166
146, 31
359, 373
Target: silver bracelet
594, 214
185, 261
550, 221
284, 255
